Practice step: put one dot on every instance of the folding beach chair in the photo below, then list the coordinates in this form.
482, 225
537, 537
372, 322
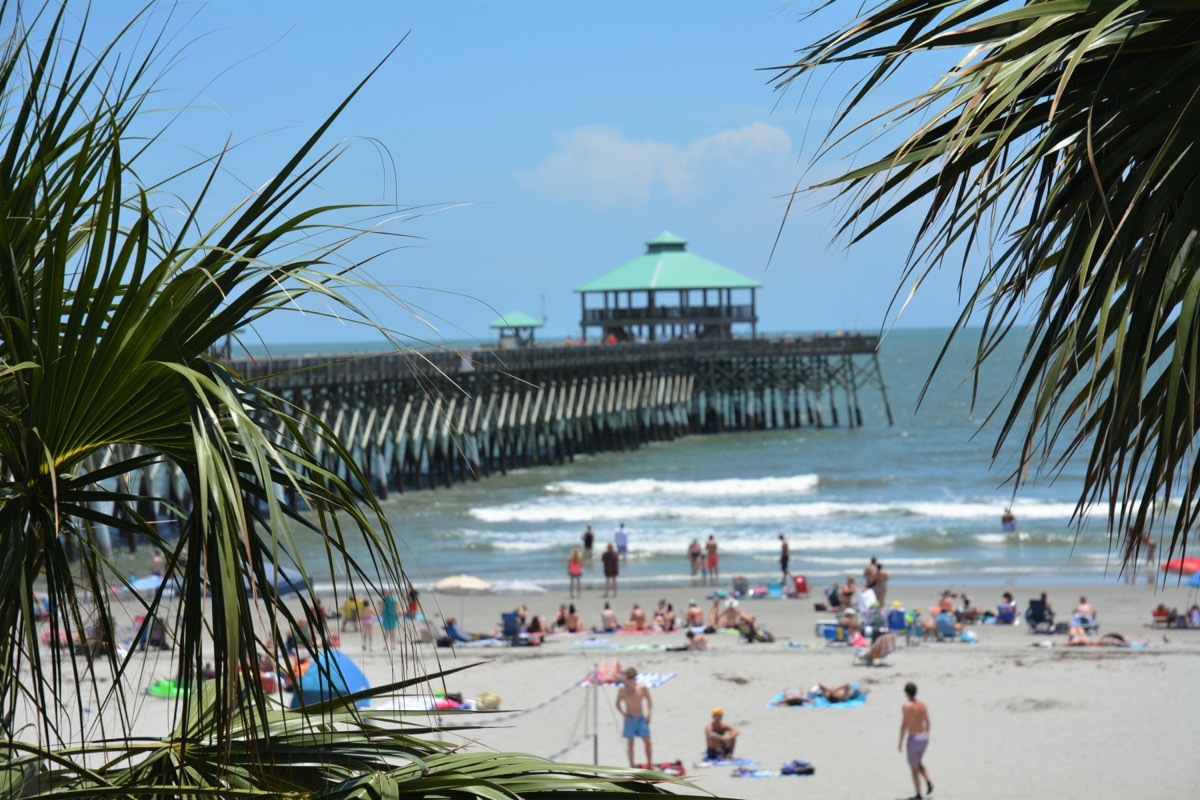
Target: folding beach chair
882, 647
800, 585
945, 626
1039, 617
511, 626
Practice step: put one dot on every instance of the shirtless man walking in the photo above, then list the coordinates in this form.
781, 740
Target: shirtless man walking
634, 703
914, 721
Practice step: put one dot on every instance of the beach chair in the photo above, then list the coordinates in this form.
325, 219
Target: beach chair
1039, 617
741, 586
800, 585
945, 626
775, 589
510, 626
880, 649
1006, 614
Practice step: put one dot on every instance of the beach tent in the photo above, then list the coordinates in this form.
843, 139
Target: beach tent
331, 674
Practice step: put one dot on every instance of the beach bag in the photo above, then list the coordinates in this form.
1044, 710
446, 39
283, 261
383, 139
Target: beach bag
797, 767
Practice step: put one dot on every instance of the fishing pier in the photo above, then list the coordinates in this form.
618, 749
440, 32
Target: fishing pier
435, 417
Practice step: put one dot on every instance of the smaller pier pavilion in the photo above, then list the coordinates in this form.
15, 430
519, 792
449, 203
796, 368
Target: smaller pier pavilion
668, 293
516, 329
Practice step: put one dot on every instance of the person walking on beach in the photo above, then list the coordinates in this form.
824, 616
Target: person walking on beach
611, 569
575, 573
635, 704
914, 721
621, 540
783, 556
710, 548
389, 618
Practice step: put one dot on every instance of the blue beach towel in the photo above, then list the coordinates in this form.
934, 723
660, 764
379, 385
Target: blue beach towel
726, 762
818, 702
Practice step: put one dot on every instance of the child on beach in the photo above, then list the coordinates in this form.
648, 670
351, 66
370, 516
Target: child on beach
366, 618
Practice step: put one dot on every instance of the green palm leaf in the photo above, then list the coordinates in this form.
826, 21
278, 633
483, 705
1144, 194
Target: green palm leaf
108, 319
1060, 145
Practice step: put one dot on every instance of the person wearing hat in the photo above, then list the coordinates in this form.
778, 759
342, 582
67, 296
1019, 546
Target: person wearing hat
635, 704
720, 738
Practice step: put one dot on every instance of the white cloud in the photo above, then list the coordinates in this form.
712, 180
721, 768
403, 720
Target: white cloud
597, 165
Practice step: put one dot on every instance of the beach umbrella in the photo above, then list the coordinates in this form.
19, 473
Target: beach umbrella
1194, 581
462, 584
516, 587
1184, 566
331, 674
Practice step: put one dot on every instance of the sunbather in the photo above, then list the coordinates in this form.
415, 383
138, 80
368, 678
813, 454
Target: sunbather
833, 694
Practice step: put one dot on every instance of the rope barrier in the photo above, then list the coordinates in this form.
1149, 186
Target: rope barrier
555, 756
552, 699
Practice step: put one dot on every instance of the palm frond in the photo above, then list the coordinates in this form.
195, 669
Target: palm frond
1059, 144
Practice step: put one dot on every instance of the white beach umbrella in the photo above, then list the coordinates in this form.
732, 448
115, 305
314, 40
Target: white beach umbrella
462, 584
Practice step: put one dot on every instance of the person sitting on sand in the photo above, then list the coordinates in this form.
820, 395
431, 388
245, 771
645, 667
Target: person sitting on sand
695, 616
560, 619
573, 624
833, 694
637, 619
455, 633
1006, 609
846, 594
664, 616
608, 620
728, 615
719, 738
1084, 615
1193, 615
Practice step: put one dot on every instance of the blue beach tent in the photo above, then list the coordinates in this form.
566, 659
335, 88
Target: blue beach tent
331, 674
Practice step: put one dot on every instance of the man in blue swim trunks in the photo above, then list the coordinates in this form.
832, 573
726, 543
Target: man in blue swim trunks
634, 703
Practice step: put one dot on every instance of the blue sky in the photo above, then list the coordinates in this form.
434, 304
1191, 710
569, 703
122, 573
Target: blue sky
545, 141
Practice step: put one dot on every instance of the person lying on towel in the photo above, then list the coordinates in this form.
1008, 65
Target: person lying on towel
833, 694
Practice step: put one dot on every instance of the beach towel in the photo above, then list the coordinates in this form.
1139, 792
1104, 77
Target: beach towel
704, 763
595, 644
167, 687
751, 772
651, 680
818, 702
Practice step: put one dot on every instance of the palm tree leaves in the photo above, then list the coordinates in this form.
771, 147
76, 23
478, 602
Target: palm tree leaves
1060, 143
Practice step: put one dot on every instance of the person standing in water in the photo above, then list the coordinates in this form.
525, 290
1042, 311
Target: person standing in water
783, 556
914, 721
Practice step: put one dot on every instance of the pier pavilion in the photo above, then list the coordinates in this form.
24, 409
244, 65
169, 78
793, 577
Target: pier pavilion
516, 329
668, 293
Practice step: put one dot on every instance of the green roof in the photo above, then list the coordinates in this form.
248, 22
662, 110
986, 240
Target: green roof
517, 319
667, 264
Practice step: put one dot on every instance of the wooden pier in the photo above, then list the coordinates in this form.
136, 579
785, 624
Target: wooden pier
434, 417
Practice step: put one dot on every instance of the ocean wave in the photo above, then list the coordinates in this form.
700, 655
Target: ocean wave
728, 487
614, 511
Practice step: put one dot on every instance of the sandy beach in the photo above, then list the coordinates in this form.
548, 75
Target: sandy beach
1013, 715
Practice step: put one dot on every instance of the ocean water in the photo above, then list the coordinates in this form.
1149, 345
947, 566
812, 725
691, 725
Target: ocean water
923, 496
